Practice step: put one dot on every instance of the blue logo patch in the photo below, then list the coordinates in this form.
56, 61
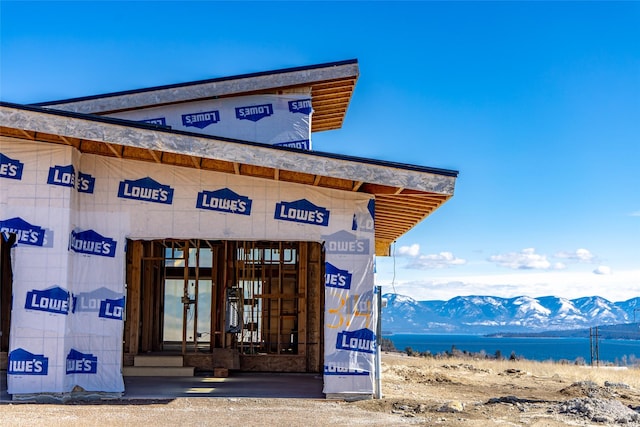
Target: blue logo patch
362, 340
160, 121
224, 200
85, 183
91, 243
336, 278
53, 300
22, 362
302, 144
147, 190
334, 368
26, 233
111, 308
91, 302
80, 363
10, 168
64, 176
343, 242
300, 106
254, 112
201, 120
302, 211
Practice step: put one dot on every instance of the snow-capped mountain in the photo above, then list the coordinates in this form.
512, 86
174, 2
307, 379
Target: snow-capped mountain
489, 314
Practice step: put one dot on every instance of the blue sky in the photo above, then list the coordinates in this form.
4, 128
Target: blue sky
536, 104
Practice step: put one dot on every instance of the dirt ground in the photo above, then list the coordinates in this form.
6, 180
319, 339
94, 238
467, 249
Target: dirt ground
417, 391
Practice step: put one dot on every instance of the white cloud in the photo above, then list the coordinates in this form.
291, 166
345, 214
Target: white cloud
441, 260
603, 270
408, 251
580, 255
423, 262
526, 259
636, 213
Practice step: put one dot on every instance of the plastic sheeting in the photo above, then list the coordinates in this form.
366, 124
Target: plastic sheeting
283, 120
72, 214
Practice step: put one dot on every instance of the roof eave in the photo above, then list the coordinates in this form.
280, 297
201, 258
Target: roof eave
417, 190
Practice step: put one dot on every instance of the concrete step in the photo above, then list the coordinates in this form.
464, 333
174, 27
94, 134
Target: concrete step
158, 371
147, 360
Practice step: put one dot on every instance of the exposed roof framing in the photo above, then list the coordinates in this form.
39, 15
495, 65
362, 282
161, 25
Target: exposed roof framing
331, 87
404, 194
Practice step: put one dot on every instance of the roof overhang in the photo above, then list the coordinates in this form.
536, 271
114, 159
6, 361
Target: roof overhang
404, 194
331, 87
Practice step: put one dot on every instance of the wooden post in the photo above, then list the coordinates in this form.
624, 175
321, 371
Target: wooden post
133, 296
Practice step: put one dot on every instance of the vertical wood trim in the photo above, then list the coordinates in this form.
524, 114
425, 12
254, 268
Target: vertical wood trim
315, 304
146, 291
133, 294
302, 298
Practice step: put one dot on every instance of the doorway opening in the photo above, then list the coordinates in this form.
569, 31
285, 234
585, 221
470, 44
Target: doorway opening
243, 304
7, 240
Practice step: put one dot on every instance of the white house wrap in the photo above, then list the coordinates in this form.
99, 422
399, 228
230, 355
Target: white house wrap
69, 285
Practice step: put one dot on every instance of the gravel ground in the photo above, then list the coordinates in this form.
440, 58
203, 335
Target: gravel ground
417, 391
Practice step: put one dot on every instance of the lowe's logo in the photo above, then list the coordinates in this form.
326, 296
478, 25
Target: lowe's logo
362, 340
111, 308
334, 368
302, 144
302, 211
92, 302
160, 121
26, 233
80, 363
65, 176
53, 300
22, 362
147, 190
254, 112
336, 278
10, 168
224, 200
343, 242
91, 243
300, 106
201, 120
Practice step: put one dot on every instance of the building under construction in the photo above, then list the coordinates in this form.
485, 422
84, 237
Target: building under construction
196, 223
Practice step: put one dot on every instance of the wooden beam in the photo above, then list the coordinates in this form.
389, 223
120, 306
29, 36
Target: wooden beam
196, 161
114, 151
155, 156
26, 134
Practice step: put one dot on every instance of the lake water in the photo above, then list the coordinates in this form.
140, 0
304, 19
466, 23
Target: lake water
530, 348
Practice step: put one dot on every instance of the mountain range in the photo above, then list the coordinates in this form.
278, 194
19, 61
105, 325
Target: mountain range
490, 314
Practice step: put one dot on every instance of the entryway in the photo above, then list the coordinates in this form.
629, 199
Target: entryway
240, 305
